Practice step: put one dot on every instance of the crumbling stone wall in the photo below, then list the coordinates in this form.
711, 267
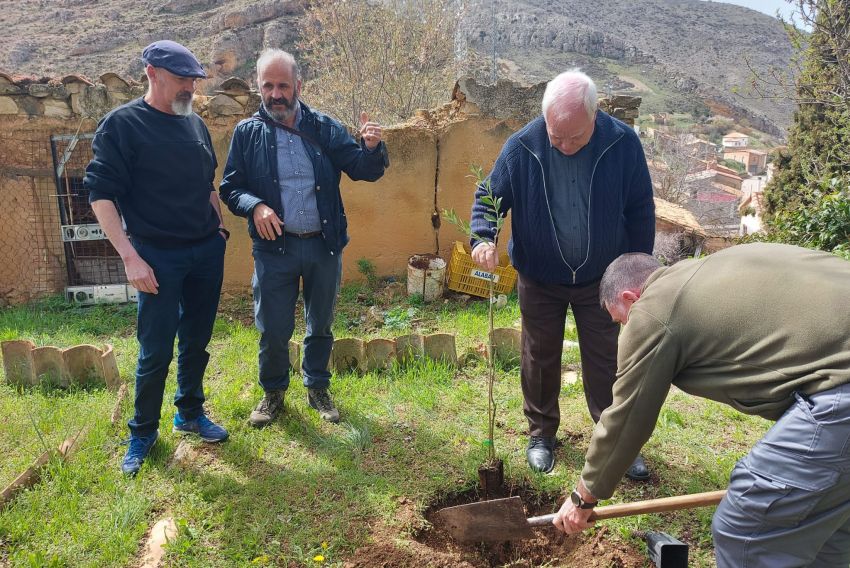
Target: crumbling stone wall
390, 220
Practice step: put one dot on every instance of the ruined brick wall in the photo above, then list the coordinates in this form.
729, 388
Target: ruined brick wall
389, 220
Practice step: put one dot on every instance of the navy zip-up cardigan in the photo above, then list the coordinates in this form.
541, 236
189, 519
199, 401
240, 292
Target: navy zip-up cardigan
621, 209
251, 177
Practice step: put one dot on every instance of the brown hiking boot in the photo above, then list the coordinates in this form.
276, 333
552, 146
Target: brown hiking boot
320, 399
268, 408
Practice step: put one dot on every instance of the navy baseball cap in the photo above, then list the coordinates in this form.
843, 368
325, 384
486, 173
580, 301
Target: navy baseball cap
173, 57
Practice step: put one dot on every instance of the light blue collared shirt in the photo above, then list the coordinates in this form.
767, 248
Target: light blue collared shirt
297, 182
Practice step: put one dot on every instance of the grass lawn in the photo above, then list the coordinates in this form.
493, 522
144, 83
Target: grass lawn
301, 487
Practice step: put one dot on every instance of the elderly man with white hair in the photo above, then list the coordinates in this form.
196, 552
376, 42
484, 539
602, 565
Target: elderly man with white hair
577, 183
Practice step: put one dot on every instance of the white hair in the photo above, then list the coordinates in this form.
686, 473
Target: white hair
567, 89
273, 54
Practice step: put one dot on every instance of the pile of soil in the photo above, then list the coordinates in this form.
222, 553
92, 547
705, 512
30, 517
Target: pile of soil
433, 547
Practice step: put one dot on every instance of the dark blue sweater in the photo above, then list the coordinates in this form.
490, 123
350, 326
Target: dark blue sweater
622, 211
159, 169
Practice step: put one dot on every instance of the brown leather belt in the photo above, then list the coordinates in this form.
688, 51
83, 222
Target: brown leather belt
308, 235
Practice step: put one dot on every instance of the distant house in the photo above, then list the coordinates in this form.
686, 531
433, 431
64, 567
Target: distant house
702, 149
660, 117
677, 228
736, 140
727, 176
754, 160
683, 144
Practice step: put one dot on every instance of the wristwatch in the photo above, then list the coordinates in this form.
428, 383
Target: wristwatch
579, 502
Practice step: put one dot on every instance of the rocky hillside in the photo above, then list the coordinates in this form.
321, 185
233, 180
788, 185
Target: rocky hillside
695, 52
92, 37
678, 54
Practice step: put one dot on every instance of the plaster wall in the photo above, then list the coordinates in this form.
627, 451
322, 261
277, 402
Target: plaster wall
478, 141
388, 220
238, 263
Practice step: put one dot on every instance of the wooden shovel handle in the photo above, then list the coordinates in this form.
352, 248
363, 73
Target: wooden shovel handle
644, 507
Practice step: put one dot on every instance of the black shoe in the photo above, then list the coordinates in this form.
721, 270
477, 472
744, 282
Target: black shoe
541, 453
638, 470
320, 399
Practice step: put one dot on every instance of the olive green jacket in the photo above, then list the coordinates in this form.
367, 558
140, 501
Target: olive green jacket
746, 326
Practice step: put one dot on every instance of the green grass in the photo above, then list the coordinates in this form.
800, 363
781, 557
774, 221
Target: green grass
272, 497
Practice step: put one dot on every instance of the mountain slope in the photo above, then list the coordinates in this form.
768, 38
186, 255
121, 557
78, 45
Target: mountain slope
704, 49
678, 54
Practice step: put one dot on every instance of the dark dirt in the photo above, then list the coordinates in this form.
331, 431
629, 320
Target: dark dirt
422, 261
491, 478
432, 546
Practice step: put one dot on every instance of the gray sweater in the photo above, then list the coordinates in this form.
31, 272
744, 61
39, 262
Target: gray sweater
746, 326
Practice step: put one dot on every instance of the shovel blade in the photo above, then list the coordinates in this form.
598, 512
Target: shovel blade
487, 521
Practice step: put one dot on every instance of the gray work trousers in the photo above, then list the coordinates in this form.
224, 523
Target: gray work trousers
788, 503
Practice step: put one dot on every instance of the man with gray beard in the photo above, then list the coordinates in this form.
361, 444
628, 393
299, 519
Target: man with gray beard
154, 162
283, 174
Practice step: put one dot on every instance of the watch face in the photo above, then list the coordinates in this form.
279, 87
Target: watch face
579, 502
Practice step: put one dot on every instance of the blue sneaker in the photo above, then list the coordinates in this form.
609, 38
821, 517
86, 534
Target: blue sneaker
208, 430
137, 452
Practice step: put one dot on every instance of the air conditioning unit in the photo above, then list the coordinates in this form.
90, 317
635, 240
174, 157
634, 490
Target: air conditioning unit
82, 295
91, 232
90, 295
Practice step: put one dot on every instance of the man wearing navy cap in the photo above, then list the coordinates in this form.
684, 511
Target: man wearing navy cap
154, 162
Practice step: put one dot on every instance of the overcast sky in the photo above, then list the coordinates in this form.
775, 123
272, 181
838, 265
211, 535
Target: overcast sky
769, 7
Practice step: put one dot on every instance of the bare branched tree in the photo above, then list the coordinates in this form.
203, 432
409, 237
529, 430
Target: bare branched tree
386, 58
827, 21
674, 164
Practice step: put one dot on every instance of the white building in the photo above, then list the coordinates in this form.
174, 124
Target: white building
736, 140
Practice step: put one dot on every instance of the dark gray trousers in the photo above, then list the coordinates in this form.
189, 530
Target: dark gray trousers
544, 314
277, 277
788, 503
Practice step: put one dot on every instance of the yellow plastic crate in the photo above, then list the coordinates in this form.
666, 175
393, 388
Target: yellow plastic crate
465, 276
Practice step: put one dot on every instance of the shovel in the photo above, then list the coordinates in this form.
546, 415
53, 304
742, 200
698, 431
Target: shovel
504, 519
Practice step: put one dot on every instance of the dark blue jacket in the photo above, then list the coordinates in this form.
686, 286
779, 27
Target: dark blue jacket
622, 211
251, 177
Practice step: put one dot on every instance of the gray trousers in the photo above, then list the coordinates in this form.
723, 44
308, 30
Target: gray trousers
277, 277
788, 502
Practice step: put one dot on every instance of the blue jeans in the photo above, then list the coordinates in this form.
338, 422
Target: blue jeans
185, 306
277, 275
788, 502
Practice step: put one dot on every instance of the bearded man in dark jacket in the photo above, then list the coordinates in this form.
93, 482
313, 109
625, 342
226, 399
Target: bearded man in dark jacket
283, 173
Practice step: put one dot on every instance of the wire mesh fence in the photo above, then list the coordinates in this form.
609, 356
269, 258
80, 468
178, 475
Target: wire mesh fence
49, 237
